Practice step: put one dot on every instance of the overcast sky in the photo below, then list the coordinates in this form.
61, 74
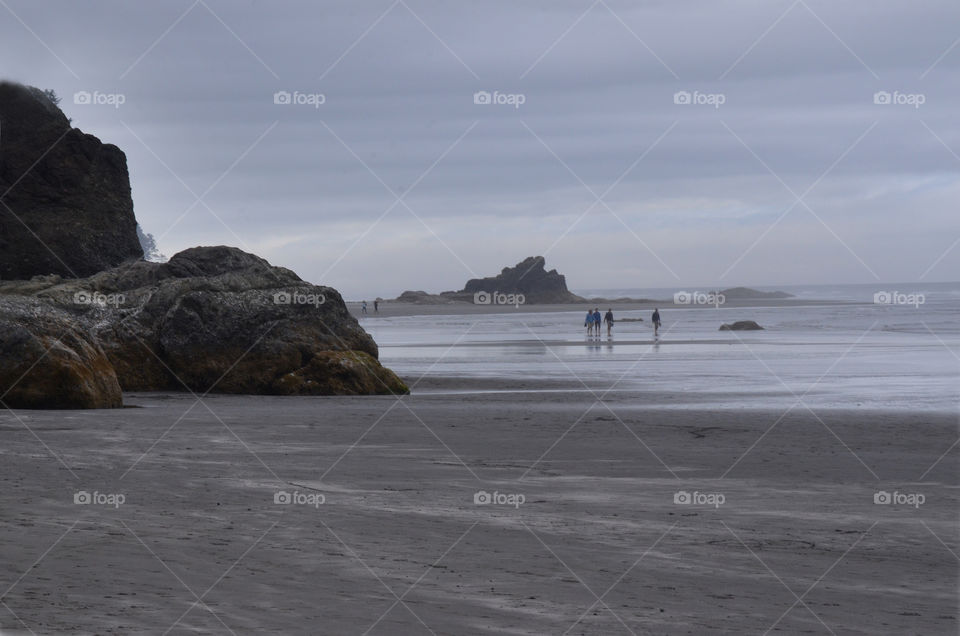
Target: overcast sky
787, 172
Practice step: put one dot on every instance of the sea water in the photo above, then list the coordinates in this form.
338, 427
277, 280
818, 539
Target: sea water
856, 354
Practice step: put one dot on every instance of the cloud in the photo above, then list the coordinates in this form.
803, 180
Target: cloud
699, 185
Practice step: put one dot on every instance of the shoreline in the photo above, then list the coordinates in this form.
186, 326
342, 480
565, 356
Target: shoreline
605, 341
397, 308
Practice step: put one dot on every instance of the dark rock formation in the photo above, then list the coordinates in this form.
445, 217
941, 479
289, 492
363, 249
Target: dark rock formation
423, 298
220, 319
528, 277
65, 204
745, 293
94, 318
741, 325
48, 361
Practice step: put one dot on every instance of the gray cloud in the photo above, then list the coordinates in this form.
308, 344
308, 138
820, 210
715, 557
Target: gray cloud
199, 97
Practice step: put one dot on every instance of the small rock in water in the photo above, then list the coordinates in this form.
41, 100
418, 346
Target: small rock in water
741, 325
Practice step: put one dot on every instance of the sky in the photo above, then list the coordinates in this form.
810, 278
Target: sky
686, 144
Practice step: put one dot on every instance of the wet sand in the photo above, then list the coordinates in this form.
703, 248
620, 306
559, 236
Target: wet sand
398, 546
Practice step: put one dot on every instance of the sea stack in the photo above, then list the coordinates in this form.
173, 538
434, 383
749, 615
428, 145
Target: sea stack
65, 201
528, 277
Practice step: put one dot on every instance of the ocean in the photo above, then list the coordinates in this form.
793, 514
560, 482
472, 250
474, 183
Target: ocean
858, 354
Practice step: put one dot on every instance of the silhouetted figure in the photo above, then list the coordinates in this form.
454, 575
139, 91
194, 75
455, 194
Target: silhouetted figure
656, 322
609, 320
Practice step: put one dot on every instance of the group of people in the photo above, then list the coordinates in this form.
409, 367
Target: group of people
376, 307
594, 322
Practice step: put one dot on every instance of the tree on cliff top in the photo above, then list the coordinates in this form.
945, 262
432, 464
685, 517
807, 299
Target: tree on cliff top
149, 245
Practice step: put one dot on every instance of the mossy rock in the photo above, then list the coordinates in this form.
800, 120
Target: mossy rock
46, 362
341, 373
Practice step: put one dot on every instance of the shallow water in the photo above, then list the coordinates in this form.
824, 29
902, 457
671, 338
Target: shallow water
851, 355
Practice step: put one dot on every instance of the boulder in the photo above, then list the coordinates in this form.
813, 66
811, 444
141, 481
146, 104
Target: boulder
49, 361
220, 319
741, 325
65, 203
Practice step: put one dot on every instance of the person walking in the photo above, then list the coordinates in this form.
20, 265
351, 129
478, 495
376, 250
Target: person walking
588, 323
597, 320
376, 306
609, 320
655, 319
363, 307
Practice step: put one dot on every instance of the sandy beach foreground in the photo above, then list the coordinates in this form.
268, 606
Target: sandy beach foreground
362, 515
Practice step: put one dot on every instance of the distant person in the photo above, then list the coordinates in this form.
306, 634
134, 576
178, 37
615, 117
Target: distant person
376, 306
588, 323
609, 320
655, 319
363, 307
597, 320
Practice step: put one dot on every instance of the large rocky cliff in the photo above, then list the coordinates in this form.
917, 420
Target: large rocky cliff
65, 203
83, 317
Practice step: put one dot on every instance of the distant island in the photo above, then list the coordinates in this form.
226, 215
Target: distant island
733, 293
529, 283
745, 293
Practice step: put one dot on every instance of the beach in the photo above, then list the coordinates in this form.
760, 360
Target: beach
799, 479
479, 318
794, 543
